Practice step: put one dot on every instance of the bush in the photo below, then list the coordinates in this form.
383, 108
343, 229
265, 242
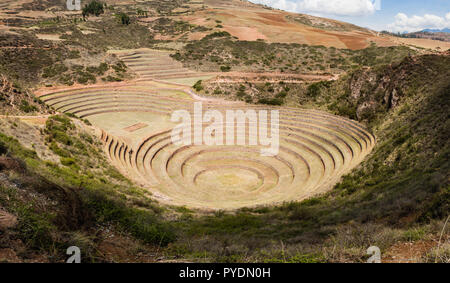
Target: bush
112, 79
58, 151
225, 68
273, 101
100, 70
198, 86
26, 107
85, 77
55, 70
218, 34
124, 19
315, 89
93, 8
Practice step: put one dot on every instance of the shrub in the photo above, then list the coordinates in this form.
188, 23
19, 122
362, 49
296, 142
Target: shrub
315, 89
85, 77
217, 35
274, 101
198, 86
112, 79
26, 107
55, 70
124, 19
225, 68
100, 70
93, 8
282, 94
59, 151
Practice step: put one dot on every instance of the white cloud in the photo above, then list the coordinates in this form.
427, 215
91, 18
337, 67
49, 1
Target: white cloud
324, 7
403, 23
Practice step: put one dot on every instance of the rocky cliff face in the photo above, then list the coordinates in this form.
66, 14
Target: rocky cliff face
14, 101
376, 90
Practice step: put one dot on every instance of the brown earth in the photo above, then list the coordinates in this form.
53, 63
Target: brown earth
248, 21
409, 252
7, 220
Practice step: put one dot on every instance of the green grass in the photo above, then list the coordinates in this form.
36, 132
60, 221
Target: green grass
103, 198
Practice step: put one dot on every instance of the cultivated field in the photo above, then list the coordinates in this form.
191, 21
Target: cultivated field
316, 148
247, 21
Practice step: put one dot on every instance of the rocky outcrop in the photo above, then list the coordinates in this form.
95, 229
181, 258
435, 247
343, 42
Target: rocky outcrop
379, 90
14, 101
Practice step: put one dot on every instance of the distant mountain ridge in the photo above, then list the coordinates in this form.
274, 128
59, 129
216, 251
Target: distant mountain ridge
447, 30
440, 35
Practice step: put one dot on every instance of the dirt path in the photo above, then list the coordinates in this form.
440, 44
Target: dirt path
249, 75
210, 99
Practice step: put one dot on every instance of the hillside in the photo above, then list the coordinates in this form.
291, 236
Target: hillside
86, 156
192, 20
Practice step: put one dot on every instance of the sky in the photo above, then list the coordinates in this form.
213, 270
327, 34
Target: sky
391, 15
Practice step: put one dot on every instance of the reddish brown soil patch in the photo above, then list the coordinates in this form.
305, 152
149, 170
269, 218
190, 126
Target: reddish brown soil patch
279, 18
409, 252
117, 248
245, 33
7, 220
7, 163
9, 255
197, 35
353, 42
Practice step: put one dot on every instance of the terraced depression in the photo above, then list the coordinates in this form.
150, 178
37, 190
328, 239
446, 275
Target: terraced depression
134, 122
158, 65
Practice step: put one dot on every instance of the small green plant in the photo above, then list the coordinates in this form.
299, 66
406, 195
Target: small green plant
124, 19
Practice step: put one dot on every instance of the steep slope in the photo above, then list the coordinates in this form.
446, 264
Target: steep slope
407, 105
60, 191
